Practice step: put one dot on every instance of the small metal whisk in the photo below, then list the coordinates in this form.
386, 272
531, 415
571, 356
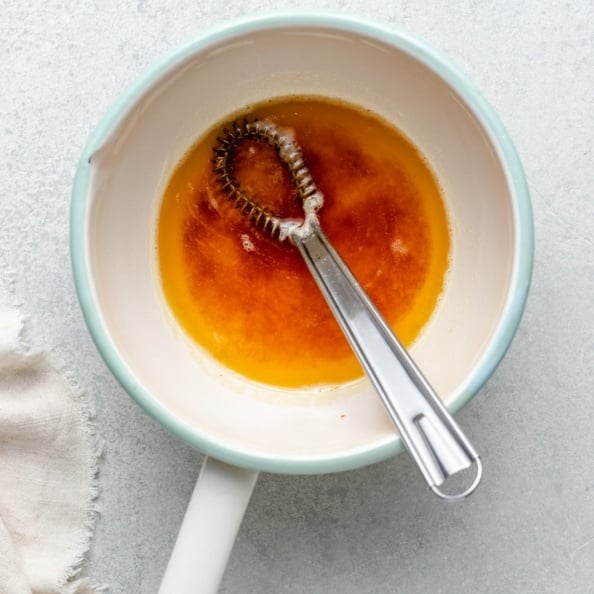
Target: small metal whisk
428, 431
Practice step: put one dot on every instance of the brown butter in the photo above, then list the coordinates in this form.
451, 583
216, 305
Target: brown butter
248, 299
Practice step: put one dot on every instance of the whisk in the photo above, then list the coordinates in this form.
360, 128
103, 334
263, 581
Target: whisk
432, 437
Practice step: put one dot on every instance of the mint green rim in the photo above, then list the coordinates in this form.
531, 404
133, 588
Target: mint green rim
326, 20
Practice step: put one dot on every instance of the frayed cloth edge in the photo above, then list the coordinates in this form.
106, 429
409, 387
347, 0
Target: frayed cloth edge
69, 582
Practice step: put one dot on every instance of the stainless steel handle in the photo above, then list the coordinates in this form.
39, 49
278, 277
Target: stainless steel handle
428, 431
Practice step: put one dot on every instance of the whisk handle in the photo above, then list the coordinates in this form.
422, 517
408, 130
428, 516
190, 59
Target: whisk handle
428, 431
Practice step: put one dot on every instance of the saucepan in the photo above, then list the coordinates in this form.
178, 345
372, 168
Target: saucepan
245, 427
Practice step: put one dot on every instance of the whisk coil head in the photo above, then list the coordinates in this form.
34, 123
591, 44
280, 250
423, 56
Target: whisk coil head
290, 154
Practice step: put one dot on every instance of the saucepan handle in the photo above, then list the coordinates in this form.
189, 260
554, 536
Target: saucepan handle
208, 531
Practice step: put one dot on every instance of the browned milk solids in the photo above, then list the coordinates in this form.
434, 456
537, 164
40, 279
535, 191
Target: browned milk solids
248, 299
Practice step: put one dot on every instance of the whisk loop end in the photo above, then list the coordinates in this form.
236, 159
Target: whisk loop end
290, 154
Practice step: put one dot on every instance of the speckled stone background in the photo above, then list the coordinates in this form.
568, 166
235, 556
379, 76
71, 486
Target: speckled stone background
530, 527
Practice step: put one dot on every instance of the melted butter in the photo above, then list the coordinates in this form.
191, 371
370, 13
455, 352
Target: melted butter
248, 299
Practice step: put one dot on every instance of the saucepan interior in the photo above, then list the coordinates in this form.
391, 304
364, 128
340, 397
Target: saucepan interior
119, 186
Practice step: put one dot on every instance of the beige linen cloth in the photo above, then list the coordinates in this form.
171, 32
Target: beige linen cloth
48, 468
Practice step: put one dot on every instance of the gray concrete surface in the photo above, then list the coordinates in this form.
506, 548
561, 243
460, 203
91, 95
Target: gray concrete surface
530, 527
